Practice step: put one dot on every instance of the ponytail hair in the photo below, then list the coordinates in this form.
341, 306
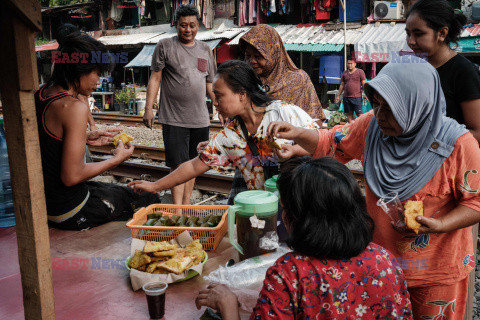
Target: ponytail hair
241, 78
78, 54
438, 14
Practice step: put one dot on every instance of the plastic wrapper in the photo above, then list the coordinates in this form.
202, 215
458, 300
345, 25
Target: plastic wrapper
269, 241
393, 207
245, 278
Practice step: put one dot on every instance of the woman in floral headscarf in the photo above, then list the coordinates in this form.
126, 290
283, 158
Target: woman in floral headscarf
265, 52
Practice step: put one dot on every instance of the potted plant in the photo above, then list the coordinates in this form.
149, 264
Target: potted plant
123, 97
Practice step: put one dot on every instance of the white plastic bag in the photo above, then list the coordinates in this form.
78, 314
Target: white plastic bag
245, 278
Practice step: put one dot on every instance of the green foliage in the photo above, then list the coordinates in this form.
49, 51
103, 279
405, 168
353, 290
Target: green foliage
336, 118
41, 41
54, 3
124, 96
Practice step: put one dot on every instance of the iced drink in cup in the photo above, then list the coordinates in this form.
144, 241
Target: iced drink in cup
392, 206
155, 292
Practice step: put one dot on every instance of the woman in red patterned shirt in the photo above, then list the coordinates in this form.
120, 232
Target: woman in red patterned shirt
334, 271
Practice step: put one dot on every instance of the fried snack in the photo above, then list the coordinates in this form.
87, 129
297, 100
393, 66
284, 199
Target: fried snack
271, 143
167, 253
160, 258
153, 266
176, 265
412, 210
160, 271
195, 251
139, 259
153, 246
125, 138
142, 268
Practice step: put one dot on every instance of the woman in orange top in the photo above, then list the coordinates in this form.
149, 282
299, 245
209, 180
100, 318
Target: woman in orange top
407, 145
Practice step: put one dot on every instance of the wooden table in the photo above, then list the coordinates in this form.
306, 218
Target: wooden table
90, 280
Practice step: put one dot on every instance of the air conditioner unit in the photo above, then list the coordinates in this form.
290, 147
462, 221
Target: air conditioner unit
388, 10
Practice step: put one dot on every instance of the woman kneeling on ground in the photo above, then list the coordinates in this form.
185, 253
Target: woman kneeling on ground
72, 201
334, 271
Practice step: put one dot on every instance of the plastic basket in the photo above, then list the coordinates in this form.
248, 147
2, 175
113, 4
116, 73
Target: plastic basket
209, 237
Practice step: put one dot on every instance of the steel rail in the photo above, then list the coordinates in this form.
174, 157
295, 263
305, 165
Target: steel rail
133, 120
213, 182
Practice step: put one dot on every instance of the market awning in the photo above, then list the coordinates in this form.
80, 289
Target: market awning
380, 42
466, 45
144, 57
314, 47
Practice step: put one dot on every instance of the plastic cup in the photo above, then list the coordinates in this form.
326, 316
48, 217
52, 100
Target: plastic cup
393, 207
155, 292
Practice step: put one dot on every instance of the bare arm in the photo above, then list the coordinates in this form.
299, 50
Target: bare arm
152, 92
305, 138
340, 91
90, 120
210, 92
187, 171
460, 217
471, 116
74, 169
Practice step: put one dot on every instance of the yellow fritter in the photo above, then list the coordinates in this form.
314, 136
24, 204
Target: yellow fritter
125, 138
412, 210
139, 259
153, 246
176, 265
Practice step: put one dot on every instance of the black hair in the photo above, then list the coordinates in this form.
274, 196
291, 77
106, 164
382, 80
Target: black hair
90, 53
438, 14
350, 58
241, 78
186, 10
324, 208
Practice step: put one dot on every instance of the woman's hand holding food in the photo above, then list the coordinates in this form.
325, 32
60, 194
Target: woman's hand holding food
219, 297
141, 185
283, 130
286, 152
428, 225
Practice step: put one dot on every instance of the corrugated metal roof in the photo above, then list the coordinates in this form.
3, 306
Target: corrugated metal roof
314, 47
292, 34
127, 39
144, 57
471, 31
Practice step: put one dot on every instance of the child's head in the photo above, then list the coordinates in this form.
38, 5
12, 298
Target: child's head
324, 209
432, 23
77, 58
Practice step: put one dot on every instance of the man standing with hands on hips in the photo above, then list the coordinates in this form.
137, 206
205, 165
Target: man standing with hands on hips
352, 82
184, 67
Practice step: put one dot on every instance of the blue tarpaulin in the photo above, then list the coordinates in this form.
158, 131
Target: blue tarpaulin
331, 67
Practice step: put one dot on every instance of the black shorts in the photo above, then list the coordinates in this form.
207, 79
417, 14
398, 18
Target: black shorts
181, 143
351, 104
107, 202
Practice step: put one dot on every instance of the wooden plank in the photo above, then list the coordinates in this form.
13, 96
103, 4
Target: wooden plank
29, 11
25, 164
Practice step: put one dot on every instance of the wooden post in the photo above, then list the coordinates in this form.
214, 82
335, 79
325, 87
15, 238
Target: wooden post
18, 80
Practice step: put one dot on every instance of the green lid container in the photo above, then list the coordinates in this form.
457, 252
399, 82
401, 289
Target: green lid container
249, 203
271, 184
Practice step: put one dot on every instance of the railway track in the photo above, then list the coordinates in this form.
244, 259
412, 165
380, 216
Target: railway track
213, 182
132, 120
